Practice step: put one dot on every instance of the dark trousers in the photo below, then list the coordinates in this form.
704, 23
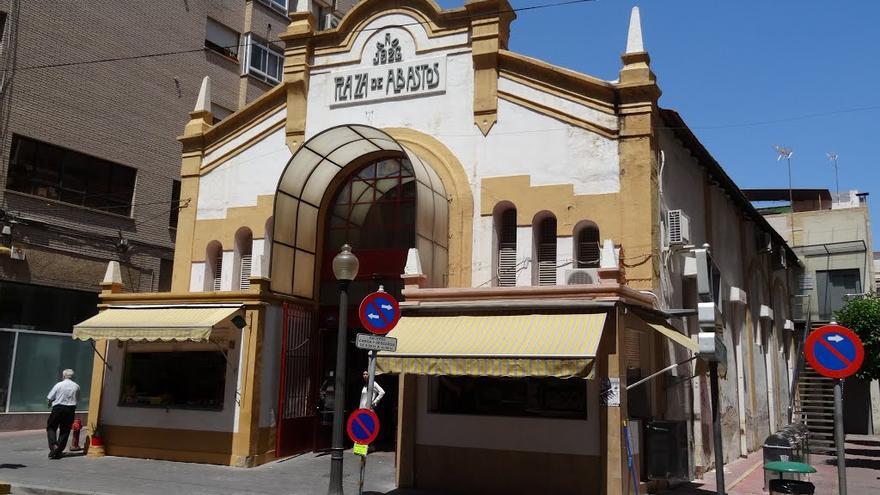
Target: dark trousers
61, 418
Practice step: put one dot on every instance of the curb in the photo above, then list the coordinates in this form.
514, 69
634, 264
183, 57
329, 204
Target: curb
44, 490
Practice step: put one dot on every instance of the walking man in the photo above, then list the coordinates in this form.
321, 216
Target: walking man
62, 398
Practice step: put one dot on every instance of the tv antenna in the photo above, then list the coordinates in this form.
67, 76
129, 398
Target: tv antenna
832, 157
784, 152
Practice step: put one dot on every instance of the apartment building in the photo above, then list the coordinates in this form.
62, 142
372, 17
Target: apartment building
92, 97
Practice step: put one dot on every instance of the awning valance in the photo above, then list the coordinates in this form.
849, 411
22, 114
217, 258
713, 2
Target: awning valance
151, 323
543, 345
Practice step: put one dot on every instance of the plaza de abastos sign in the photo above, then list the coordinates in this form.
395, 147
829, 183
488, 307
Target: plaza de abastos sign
390, 77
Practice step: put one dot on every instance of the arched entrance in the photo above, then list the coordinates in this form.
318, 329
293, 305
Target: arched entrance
350, 184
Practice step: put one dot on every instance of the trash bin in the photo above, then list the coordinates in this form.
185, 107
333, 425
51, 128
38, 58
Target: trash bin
789, 487
780, 446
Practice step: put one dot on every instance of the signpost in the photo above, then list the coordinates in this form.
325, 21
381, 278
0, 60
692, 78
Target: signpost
379, 313
836, 352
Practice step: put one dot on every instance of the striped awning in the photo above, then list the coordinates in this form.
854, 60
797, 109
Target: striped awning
543, 345
665, 329
151, 323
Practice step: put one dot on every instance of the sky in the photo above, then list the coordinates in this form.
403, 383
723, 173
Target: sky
745, 75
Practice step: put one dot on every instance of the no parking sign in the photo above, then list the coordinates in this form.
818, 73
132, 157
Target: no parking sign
834, 351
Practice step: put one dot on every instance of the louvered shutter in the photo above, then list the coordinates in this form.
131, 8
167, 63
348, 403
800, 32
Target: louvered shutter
218, 272
588, 248
547, 252
507, 250
245, 274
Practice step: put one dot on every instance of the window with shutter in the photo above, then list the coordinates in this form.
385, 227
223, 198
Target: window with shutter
507, 249
547, 252
245, 275
218, 270
588, 248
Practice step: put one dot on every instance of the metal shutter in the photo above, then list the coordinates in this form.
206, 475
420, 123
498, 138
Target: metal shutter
507, 249
218, 271
245, 274
547, 252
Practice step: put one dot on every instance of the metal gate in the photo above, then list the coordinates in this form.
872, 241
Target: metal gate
297, 389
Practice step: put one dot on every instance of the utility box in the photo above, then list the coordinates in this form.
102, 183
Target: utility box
666, 450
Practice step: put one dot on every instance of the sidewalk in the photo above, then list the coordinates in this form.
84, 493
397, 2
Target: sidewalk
745, 476
24, 464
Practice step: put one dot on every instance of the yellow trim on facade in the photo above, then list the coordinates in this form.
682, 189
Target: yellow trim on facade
461, 201
558, 115
223, 229
429, 14
245, 145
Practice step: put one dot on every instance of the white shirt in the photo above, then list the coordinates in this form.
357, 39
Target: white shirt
64, 393
378, 393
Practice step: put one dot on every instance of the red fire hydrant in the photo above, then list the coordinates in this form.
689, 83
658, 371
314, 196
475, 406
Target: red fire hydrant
76, 427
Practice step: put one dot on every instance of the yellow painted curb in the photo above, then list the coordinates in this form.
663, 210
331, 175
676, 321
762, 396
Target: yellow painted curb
5, 488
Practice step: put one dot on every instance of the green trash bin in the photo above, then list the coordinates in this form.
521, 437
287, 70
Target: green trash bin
786, 486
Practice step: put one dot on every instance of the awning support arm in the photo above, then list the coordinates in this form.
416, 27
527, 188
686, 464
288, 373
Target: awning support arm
664, 370
99, 355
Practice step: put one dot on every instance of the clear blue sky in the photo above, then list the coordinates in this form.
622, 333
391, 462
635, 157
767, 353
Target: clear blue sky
745, 75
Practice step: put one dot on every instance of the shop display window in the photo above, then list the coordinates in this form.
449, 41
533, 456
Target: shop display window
529, 397
178, 380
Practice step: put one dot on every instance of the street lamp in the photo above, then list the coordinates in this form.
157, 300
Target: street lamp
345, 268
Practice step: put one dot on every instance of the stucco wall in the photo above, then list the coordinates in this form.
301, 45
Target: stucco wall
715, 219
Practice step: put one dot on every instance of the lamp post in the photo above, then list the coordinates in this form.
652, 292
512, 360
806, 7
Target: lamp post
345, 268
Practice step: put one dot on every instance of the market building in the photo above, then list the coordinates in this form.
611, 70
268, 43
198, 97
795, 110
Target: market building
536, 224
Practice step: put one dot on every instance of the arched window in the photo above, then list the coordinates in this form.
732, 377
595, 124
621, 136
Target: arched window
586, 245
544, 234
213, 266
242, 259
505, 245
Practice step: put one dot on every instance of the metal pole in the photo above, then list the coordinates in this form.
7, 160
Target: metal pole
790, 199
339, 392
716, 428
839, 437
371, 380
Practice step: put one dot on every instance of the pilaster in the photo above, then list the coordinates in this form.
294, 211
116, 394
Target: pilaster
297, 53
490, 31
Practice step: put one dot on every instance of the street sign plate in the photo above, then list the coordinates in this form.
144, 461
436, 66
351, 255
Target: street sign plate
375, 342
834, 351
363, 426
379, 312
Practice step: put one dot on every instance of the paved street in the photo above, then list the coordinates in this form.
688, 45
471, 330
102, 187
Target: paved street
745, 476
23, 464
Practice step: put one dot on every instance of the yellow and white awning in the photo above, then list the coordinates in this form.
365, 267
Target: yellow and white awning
542, 345
152, 323
665, 329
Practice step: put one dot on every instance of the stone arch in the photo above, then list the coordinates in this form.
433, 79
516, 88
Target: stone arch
302, 194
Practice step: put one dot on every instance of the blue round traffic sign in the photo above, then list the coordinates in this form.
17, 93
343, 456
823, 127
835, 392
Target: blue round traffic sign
834, 351
379, 312
363, 426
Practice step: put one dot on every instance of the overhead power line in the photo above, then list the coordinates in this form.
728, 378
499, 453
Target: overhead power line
202, 48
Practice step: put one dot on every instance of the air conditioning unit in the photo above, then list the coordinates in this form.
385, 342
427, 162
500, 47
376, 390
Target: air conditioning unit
331, 21
678, 230
582, 276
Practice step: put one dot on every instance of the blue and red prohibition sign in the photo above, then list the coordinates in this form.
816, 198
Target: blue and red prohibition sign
379, 312
834, 351
363, 426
